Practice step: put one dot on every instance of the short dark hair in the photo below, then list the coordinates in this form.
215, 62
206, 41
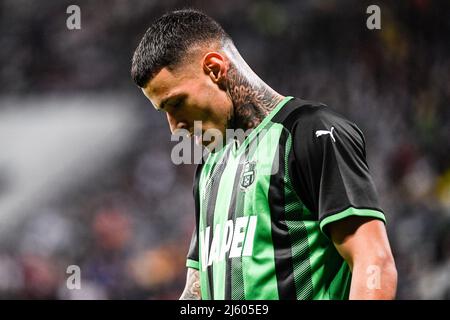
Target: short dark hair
168, 39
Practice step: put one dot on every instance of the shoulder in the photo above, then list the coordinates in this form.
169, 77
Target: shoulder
307, 112
308, 119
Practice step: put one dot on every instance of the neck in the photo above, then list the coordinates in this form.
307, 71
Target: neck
252, 98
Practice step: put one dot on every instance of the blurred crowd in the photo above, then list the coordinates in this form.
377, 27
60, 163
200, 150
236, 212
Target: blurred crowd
129, 229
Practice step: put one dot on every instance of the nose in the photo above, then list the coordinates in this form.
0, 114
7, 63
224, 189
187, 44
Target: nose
175, 124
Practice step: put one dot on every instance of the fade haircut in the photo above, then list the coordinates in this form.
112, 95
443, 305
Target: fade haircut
168, 39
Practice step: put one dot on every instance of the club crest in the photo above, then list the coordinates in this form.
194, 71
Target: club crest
248, 174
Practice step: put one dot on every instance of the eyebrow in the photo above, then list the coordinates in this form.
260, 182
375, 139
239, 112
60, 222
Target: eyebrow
165, 100
163, 103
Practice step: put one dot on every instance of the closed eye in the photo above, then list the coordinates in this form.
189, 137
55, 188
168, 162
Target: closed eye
177, 102
172, 102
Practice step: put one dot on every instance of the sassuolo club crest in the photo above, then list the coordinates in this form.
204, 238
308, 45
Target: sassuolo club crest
248, 174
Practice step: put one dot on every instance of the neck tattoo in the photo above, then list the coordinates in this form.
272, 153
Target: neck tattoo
252, 99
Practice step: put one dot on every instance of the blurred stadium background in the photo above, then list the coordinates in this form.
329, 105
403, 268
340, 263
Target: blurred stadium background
85, 170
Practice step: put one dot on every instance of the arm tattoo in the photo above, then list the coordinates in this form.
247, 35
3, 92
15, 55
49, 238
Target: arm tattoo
192, 289
252, 98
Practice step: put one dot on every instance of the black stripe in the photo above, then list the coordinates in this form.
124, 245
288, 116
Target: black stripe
280, 234
232, 216
227, 295
195, 254
212, 186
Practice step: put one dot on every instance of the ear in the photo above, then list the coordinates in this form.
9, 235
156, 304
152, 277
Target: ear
215, 65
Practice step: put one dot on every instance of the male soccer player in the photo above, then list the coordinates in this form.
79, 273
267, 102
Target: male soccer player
290, 212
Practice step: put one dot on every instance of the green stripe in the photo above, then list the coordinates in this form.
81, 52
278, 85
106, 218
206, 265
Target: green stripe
263, 124
352, 212
192, 264
299, 235
258, 270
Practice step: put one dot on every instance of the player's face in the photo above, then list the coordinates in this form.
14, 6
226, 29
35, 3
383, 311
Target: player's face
188, 94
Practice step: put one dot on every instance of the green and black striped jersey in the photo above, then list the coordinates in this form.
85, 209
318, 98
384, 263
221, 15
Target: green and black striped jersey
262, 207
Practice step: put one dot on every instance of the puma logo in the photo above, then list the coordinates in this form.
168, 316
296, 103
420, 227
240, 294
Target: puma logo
322, 132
